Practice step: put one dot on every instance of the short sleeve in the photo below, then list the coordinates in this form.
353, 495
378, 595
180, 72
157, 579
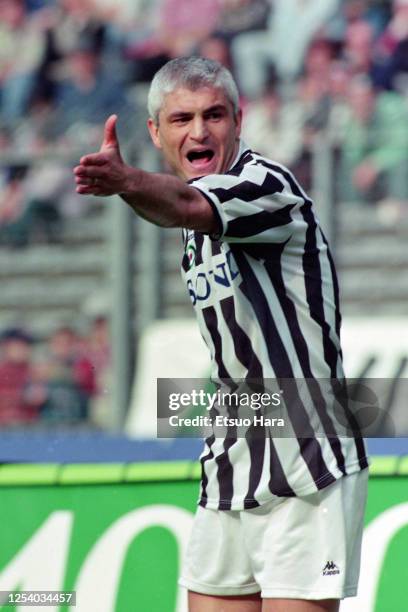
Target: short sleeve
251, 204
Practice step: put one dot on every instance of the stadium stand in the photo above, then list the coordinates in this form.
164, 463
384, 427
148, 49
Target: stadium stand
49, 277
74, 269
372, 262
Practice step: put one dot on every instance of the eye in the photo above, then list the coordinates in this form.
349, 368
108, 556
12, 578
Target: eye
215, 115
181, 119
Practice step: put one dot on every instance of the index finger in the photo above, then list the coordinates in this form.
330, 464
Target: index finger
94, 159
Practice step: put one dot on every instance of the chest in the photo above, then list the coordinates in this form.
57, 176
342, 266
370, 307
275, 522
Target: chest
209, 270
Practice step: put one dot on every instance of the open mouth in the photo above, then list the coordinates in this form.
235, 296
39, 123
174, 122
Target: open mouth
200, 158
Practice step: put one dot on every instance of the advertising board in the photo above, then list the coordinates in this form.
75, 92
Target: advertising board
117, 534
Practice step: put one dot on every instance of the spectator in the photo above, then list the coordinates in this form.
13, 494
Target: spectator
366, 57
125, 22
216, 48
397, 28
24, 213
358, 48
313, 86
15, 377
67, 23
68, 378
314, 103
255, 51
138, 21
21, 52
399, 68
392, 48
12, 206
375, 146
273, 128
285, 130
182, 26
338, 112
86, 96
75, 21
97, 348
376, 14
50, 191
239, 16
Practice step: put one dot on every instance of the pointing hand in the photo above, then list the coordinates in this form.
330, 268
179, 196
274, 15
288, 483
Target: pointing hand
110, 137
103, 173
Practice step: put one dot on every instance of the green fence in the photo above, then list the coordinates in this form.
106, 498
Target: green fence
116, 534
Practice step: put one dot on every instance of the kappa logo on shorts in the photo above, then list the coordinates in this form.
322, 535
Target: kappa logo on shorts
330, 569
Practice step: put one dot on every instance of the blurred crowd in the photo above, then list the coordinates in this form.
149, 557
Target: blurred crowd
304, 67
63, 380
307, 70
342, 75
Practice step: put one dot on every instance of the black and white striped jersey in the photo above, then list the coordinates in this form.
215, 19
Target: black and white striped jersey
266, 297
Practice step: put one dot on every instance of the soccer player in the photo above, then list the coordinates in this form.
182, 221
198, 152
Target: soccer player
279, 522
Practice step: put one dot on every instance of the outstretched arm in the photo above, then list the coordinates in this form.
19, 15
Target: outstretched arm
161, 199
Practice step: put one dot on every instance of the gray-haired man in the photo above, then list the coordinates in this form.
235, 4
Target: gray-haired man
279, 522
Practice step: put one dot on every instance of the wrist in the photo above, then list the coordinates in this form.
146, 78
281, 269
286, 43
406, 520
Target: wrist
131, 182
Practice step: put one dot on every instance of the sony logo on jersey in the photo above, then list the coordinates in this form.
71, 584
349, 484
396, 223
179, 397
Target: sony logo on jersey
207, 286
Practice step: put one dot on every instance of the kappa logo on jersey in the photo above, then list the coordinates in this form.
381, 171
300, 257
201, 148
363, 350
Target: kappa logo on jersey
330, 569
214, 284
191, 254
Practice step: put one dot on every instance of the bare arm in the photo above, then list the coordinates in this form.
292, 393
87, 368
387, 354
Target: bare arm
165, 200
161, 199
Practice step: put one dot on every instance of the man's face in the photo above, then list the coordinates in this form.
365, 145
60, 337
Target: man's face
198, 132
362, 101
16, 350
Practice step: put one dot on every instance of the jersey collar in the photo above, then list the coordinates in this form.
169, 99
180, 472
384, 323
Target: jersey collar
243, 148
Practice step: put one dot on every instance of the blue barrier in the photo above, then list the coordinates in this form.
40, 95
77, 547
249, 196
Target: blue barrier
96, 447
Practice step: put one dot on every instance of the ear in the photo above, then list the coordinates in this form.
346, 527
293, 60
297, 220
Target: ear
154, 133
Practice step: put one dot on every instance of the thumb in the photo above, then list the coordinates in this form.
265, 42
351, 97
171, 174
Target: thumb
110, 138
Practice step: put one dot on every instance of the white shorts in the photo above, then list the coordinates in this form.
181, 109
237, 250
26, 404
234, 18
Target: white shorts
292, 548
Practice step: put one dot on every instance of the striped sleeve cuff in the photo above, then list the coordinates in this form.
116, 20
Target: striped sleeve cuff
221, 224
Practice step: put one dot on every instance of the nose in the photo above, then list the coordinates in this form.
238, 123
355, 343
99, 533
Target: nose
199, 129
